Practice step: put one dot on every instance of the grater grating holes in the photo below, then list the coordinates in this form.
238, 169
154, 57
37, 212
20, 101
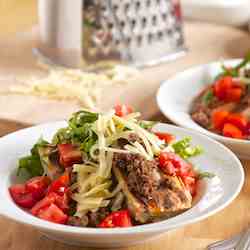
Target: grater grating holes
154, 20
135, 24
126, 7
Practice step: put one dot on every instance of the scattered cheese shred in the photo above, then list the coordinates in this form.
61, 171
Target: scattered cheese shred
85, 88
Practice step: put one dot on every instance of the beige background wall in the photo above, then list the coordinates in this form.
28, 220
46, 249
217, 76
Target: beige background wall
16, 15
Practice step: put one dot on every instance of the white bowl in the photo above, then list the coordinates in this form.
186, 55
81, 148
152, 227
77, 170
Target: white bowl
175, 97
214, 195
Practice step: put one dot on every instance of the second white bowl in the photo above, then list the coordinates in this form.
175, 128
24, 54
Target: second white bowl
175, 97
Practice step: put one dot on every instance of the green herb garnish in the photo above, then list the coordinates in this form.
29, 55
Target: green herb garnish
79, 131
208, 97
147, 124
209, 175
234, 71
30, 165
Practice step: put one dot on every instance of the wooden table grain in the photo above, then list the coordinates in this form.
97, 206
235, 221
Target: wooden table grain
206, 42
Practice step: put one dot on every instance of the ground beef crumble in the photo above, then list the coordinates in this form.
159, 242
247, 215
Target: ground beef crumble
142, 175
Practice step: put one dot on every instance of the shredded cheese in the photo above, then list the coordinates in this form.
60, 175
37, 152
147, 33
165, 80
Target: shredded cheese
85, 88
93, 177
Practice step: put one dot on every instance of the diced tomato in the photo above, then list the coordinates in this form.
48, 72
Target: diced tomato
230, 130
37, 186
53, 213
247, 130
221, 87
165, 136
123, 110
69, 155
190, 183
237, 120
233, 94
219, 118
21, 196
170, 162
52, 198
62, 201
45, 202
60, 185
168, 168
117, 219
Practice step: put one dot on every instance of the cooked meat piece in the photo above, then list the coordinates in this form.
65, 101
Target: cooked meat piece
246, 100
117, 202
172, 196
201, 118
230, 106
95, 218
247, 73
132, 138
246, 113
141, 174
149, 188
78, 222
50, 162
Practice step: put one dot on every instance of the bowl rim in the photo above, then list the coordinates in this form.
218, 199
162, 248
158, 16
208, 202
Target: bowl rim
202, 130
156, 227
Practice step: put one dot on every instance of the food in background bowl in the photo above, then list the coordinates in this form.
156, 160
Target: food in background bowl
223, 107
107, 170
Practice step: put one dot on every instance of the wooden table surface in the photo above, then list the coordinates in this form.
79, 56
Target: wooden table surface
206, 42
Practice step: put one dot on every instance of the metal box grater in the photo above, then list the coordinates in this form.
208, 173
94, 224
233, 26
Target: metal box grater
134, 32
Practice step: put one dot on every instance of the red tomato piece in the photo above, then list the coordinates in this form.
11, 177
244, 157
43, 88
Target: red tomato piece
21, 196
53, 213
237, 120
62, 201
169, 168
123, 110
230, 130
181, 167
219, 118
165, 136
221, 87
234, 94
190, 183
45, 202
247, 130
69, 155
37, 186
117, 219
60, 185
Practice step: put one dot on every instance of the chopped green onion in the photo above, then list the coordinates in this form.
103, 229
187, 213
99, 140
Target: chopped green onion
184, 149
209, 175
